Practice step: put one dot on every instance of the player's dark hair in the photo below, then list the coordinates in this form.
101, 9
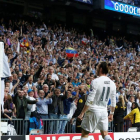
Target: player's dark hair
120, 88
104, 67
136, 105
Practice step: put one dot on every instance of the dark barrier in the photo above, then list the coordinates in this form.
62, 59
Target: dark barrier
52, 126
13, 137
127, 124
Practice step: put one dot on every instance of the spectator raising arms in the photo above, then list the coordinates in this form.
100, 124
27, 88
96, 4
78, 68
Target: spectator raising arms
21, 103
56, 111
42, 104
44, 77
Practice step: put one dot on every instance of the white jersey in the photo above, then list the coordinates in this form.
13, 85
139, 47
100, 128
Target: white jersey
101, 90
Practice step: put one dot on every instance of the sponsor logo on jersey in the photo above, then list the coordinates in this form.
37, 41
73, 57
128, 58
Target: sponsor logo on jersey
106, 82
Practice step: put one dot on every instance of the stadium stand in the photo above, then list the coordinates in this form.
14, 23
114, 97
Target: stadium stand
51, 71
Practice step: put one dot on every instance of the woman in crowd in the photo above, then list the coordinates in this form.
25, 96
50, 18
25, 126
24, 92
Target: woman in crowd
134, 115
9, 106
119, 114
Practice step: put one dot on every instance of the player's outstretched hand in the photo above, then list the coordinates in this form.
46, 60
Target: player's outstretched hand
80, 117
110, 118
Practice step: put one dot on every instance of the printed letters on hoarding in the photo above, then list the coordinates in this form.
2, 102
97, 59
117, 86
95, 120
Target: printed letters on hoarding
95, 136
127, 136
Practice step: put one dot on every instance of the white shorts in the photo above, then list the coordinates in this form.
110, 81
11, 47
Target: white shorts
93, 120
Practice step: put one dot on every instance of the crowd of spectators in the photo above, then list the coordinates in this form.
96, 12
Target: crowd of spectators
45, 80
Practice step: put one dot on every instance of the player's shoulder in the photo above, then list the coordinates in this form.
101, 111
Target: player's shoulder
94, 84
95, 81
103, 78
112, 82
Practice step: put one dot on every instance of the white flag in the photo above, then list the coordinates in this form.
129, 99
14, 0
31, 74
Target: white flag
4, 65
18, 47
4, 70
1, 58
2, 86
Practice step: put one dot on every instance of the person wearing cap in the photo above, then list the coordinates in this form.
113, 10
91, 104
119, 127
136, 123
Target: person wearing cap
31, 107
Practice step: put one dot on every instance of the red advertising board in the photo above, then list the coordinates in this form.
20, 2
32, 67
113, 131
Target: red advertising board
94, 136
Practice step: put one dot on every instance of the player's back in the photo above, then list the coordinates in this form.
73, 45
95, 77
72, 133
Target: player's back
102, 89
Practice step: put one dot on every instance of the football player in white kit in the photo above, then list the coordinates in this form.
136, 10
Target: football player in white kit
95, 109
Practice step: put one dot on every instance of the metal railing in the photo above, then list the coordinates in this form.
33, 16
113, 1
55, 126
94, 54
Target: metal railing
22, 126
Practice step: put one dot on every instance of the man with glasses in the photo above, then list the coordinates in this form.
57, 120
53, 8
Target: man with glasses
46, 89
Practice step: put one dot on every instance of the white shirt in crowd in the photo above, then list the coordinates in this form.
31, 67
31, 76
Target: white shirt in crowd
138, 102
31, 85
54, 77
129, 104
11, 86
31, 107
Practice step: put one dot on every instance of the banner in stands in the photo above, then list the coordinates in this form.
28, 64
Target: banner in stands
95, 136
12, 137
127, 136
121, 7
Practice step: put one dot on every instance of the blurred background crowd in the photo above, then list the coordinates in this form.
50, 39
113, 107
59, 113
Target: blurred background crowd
57, 85
45, 81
